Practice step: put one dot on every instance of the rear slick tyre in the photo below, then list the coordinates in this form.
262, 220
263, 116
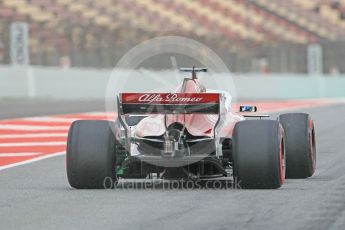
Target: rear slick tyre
258, 154
90, 155
300, 145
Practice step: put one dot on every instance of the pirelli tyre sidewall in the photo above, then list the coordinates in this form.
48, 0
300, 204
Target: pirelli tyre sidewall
300, 144
258, 154
90, 156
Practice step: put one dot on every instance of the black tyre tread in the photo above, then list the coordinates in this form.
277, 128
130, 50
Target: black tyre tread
299, 163
256, 151
91, 154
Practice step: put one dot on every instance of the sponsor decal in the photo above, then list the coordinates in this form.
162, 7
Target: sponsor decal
170, 98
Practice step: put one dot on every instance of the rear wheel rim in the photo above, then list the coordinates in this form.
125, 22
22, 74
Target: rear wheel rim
282, 161
312, 145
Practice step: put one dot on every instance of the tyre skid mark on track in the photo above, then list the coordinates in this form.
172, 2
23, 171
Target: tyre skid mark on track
27, 140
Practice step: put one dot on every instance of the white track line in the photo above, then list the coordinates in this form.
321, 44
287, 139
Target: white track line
33, 135
32, 160
32, 127
52, 143
18, 154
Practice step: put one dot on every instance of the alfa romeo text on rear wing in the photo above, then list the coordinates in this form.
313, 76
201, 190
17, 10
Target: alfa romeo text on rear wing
169, 103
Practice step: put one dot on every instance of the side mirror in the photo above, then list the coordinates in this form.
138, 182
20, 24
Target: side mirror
248, 108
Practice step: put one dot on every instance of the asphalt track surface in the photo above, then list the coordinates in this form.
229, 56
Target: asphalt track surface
37, 196
29, 108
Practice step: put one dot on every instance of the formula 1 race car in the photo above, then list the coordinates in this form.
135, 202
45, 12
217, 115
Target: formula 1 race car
190, 134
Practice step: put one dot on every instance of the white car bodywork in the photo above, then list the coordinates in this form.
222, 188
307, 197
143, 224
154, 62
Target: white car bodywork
196, 124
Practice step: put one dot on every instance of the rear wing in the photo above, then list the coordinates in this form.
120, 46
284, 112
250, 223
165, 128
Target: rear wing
193, 69
169, 103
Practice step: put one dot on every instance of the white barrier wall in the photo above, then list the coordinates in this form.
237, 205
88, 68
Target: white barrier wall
39, 82
52, 83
